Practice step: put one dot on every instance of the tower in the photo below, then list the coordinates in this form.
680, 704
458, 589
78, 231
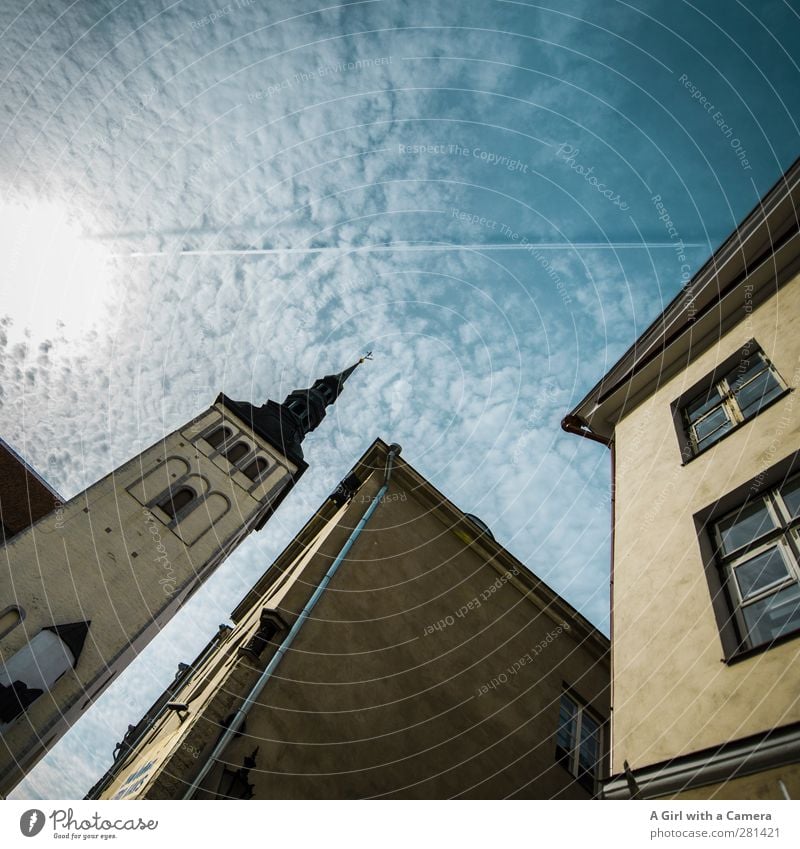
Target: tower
88, 585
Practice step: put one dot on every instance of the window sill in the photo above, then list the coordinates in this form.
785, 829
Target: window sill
745, 654
737, 428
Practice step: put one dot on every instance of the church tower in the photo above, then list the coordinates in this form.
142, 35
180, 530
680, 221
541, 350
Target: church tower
88, 585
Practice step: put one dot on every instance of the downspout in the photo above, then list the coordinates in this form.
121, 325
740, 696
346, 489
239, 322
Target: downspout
611, 606
574, 424
236, 723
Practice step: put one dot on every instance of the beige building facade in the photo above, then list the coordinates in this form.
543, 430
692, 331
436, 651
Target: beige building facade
393, 650
702, 419
90, 583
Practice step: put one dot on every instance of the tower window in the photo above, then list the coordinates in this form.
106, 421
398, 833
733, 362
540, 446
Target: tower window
235, 454
300, 407
34, 669
256, 469
174, 502
218, 436
578, 742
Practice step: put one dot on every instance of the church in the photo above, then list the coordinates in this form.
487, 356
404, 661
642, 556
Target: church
86, 584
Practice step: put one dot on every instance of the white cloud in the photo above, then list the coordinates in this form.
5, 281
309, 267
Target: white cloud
166, 134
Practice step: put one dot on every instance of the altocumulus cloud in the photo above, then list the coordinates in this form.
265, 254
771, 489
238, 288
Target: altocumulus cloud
275, 127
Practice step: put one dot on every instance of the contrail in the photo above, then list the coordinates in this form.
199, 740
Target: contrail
416, 248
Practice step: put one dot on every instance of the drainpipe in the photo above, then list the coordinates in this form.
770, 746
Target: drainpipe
612, 552
576, 425
238, 719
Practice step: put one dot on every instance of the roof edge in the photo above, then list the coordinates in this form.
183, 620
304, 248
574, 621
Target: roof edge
712, 269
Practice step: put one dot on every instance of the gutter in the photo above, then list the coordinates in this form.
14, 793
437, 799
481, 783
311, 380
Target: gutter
239, 717
759, 221
574, 424
765, 257
773, 749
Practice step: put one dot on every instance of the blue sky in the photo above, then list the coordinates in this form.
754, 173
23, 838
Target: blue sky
159, 128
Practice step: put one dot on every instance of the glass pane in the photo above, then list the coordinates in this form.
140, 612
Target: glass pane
700, 406
773, 616
589, 750
758, 573
713, 421
791, 496
567, 715
711, 437
752, 397
746, 369
749, 523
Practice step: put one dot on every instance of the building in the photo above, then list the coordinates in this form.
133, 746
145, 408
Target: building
86, 586
701, 416
394, 649
25, 496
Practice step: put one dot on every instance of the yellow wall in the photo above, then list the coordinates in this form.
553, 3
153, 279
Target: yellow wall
371, 699
762, 785
672, 693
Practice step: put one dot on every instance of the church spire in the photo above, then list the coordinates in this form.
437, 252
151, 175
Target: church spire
308, 405
286, 425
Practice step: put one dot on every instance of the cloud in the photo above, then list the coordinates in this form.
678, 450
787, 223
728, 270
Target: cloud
270, 127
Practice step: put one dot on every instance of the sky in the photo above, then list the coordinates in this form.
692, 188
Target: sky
495, 197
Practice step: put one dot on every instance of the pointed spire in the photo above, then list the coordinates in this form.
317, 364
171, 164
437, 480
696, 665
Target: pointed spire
334, 383
308, 405
286, 425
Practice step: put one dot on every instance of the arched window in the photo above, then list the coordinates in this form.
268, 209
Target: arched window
218, 436
37, 666
9, 619
236, 453
255, 469
174, 502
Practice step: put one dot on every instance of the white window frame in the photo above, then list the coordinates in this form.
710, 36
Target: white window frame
573, 756
728, 402
784, 535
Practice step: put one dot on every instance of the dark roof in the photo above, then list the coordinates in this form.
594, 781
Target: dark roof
764, 243
25, 496
272, 422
